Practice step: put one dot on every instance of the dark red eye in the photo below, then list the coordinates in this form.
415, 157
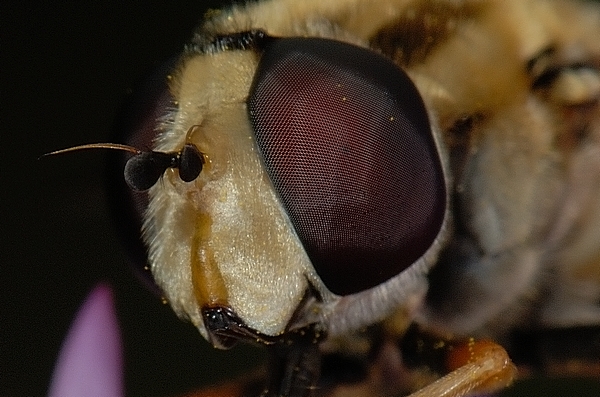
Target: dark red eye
347, 143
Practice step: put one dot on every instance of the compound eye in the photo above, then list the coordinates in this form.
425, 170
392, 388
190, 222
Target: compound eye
346, 141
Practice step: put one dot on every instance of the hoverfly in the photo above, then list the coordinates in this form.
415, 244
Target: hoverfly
356, 181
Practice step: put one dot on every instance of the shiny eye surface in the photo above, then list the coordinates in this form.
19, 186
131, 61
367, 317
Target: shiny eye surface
346, 140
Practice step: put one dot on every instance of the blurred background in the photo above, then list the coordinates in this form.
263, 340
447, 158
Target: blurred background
66, 70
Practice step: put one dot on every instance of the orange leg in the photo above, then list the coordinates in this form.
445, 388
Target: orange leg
477, 367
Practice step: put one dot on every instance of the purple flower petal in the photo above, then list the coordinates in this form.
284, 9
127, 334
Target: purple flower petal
90, 362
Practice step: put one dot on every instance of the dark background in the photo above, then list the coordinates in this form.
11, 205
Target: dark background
66, 70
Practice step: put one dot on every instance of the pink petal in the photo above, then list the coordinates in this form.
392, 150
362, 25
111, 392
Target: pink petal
90, 362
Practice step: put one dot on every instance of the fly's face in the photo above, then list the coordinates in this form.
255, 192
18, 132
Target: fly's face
317, 155
223, 240
511, 103
324, 162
